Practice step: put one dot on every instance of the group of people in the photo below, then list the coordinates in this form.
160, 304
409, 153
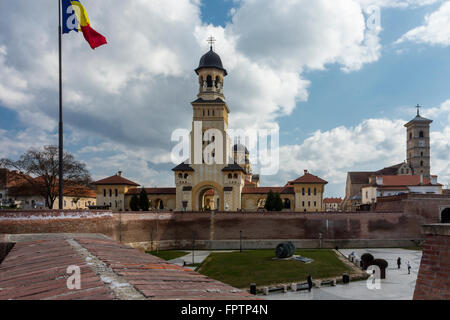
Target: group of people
399, 263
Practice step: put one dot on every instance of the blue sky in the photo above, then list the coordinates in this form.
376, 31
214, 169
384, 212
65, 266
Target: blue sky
338, 93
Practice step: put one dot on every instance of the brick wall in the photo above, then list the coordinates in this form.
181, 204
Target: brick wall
433, 280
141, 227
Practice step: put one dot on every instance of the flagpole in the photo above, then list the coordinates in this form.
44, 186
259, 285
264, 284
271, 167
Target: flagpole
60, 169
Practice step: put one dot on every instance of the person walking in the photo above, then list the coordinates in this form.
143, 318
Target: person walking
399, 262
310, 284
409, 268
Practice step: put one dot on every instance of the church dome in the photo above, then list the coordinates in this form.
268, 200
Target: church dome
210, 60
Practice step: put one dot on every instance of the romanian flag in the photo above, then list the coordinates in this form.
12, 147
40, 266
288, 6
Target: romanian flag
74, 17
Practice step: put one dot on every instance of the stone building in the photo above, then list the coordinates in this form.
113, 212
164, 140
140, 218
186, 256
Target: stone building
332, 204
223, 180
417, 163
26, 193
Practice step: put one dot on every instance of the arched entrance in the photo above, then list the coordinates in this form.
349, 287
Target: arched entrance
207, 196
445, 215
208, 199
159, 204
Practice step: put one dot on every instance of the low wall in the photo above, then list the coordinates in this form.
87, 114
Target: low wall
221, 230
433, 280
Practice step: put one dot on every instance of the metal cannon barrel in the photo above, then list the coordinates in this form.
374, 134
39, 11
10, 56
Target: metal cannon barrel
285, 250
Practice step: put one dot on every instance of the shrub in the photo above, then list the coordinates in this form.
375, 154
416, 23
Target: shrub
134, 203
366, 260
382, 264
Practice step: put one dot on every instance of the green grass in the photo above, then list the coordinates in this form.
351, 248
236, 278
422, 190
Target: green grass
257, 266
168, 254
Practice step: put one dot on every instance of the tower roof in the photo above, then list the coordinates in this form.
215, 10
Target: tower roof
418, 119
210, 60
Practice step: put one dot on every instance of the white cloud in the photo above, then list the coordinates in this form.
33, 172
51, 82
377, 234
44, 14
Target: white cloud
434, 31
370, 145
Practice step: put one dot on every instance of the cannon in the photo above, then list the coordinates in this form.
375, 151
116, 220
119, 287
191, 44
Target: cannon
285, 250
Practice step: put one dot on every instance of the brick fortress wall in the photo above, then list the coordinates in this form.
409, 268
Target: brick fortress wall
433, 280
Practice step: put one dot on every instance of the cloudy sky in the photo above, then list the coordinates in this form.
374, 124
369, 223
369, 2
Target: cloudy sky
337, 85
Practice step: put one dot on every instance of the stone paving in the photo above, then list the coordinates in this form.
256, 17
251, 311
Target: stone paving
37, 269
398, 285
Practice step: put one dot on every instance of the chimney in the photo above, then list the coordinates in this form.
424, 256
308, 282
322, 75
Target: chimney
119, 173
305, 171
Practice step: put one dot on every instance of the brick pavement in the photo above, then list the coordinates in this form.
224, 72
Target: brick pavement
109, 270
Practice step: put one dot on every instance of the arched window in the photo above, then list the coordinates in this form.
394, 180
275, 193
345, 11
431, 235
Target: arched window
217, 81
421, 134
235, 175
287, 203
180, 175
185, 175
209, 81
230, 176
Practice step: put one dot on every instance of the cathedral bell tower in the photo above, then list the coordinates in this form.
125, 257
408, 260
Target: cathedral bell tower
210, 109
418, 144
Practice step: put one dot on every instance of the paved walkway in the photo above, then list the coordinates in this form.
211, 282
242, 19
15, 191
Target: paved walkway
398, 285
199, 256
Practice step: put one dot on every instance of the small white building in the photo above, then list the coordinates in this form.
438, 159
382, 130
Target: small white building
391, 185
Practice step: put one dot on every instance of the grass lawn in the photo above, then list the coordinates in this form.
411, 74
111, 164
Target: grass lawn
168, 254
257, 266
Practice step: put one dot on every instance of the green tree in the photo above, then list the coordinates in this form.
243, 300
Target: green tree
277, 202
134, 203
269, 201
143, 200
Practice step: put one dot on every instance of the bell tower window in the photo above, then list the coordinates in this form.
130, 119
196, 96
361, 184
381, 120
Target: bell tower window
209, 83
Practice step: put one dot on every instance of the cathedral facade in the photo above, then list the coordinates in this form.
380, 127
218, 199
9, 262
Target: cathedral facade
218, 174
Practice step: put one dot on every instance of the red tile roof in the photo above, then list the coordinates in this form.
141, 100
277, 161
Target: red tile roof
116, 180
332, 200
153, 191
404, 181
265, 190
308, 178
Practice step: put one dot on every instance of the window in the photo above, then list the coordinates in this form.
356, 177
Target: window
421, 163
110, 192
116, 192
180, 175
65, 204
315, 204
209, 81
230, 176
208, 112
213, 115
421, 134
303, 191
410, 135
421, 154
303, 203
309, 203
309, 191
185, 175
315, 191
104, 192
203, 112
235, 175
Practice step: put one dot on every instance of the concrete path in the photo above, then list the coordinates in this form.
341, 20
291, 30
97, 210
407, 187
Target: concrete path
199, 256
398, 285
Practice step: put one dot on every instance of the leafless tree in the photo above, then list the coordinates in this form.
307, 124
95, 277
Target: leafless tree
39, 168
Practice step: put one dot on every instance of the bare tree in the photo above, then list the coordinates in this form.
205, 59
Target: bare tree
40, 169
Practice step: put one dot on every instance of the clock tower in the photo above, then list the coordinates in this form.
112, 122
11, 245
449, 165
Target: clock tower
418, 144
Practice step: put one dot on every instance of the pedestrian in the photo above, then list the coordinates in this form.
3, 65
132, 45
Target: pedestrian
409, 268
310, 284
399, 262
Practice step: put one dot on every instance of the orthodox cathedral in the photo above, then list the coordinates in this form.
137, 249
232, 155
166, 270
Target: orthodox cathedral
201, 184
